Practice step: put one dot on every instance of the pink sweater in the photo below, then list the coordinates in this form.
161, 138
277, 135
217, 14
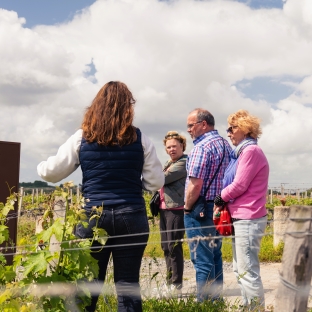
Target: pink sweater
247, 193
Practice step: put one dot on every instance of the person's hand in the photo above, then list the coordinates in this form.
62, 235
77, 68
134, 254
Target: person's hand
216, 212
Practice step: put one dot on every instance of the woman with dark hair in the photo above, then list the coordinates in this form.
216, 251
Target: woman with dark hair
117, 162
245, 187
171, 211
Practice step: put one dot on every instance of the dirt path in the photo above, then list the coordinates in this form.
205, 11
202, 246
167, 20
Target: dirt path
269, 275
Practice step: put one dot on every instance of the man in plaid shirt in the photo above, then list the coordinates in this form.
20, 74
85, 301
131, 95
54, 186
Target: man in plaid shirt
202, 163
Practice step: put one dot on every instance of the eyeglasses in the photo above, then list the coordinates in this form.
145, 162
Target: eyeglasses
174, 135
230, 129
189, 126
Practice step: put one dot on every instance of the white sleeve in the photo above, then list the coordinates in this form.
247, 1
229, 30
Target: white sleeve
65, 162
153, 177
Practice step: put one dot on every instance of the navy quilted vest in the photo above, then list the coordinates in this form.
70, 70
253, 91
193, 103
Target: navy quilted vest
112, 174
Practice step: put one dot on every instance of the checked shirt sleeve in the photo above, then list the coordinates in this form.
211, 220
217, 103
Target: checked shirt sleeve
197, 163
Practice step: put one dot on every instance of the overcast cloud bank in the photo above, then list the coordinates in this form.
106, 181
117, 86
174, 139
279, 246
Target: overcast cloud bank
174, 56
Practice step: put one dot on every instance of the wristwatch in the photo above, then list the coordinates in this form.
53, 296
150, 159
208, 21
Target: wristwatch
187, 210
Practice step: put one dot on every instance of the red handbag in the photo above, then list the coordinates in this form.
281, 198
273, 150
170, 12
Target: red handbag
224, 224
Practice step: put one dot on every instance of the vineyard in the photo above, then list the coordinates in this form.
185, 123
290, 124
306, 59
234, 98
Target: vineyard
28, 285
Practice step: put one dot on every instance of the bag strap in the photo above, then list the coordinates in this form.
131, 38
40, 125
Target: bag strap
216, 170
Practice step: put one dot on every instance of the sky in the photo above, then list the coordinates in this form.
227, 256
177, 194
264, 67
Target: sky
174, 56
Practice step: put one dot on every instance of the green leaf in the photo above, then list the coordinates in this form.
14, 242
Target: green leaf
56, 228
9, 275
7, 207
101, 236
37, 263
4, 233
5, 295
2, 259
12, 306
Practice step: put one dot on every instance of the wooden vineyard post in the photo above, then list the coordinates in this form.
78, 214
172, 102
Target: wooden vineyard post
295, 276
71, 196
59, 212
37, 198
32, 196
77, 194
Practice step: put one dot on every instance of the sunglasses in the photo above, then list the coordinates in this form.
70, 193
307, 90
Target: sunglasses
174, 135
230, 129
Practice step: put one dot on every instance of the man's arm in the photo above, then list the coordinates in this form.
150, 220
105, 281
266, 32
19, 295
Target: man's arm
193, 191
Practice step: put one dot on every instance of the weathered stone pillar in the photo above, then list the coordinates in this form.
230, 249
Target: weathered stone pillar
281, 215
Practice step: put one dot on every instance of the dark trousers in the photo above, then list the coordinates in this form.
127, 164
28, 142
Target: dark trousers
172, 230
123, 221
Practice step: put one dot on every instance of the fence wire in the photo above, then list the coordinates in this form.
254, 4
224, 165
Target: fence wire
151, 233
70, 290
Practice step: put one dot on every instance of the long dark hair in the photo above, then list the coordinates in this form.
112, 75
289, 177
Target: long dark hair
108, 121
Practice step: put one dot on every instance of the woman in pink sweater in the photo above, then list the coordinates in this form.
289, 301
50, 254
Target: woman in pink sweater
245, 187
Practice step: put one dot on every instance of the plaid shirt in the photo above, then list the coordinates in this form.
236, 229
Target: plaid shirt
204, 159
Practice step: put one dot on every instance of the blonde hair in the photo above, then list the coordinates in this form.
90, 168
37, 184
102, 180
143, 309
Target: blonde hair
249, 124
175, 135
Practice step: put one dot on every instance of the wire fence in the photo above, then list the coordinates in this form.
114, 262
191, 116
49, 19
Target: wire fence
57, 289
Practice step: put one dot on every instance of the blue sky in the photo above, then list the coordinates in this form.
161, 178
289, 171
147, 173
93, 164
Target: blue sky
258, 4
46, 12
50, 12
271, 89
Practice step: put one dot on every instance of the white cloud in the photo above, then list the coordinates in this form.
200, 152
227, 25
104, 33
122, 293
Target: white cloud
174, 56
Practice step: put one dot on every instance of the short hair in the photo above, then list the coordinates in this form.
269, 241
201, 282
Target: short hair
249, 124
204, 115
175, 135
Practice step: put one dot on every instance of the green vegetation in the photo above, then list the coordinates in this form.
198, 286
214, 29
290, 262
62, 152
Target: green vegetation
267, 251
109, 303
15, 294
36, 184
69, 263
288, 201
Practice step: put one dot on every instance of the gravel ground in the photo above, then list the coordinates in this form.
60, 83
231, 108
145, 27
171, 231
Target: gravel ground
153, 275
231, 292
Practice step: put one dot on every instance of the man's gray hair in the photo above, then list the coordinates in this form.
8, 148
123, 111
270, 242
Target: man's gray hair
203, 114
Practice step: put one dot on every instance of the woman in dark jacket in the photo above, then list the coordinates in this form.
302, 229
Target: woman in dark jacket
117, 161
171, 210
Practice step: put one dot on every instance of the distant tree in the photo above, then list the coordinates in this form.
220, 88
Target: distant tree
36, 183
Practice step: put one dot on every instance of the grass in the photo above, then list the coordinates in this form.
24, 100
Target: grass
27, 225
268, 253
153, 248
108, 302
26, 228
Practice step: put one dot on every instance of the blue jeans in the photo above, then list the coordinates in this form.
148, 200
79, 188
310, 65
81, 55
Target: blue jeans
121, 220
246, 265
206, 255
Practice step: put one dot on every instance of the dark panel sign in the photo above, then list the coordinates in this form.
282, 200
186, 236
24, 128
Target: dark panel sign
9, 176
